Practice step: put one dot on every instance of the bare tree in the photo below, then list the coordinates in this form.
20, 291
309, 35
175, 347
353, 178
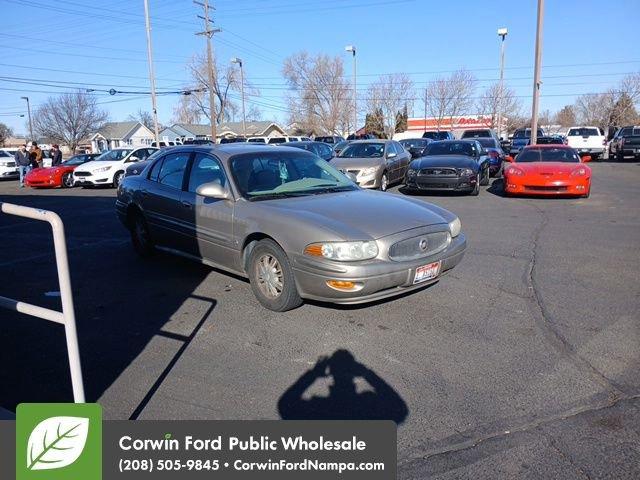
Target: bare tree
617, 106
69, 118
492, 104
186, 111
449, 97
143, 117
595, 109
320, 99
566, 116
5, 133
389, 95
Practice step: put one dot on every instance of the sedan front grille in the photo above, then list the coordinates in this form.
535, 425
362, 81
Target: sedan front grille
419, 246
82, 174
439, 171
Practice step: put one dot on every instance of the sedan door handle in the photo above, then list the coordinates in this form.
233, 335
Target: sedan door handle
186, 204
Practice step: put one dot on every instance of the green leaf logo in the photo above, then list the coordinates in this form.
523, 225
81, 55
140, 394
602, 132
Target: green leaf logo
56, 442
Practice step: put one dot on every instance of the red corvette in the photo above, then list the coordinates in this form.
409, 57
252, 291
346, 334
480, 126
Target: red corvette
60, 176
548, 170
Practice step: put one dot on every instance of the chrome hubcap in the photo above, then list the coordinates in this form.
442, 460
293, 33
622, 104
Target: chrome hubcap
270, 278
68, 180
383, 185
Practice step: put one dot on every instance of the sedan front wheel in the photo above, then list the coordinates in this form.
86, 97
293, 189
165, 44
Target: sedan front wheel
271, 277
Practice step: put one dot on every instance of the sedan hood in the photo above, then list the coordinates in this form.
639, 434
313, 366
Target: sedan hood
549, 168
444, 161
355, 215
356, 163
91, 166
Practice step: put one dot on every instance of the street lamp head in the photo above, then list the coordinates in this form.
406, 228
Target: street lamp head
25, 98
502, 32
236, 60
350, 48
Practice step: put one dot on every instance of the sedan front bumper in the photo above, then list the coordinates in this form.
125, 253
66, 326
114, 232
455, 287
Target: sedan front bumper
379, 278
440, 182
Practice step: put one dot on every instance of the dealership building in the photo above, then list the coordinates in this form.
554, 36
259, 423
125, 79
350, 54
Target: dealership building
417, 126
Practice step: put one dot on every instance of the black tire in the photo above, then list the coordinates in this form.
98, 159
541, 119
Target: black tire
67, 180
586, 195
485, 178
619, 157
384, 182
476, 190
140, 236
277, 292
117, 178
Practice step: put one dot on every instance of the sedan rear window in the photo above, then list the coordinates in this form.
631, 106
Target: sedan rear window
548, 155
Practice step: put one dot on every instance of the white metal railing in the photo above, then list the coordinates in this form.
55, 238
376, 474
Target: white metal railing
67, 316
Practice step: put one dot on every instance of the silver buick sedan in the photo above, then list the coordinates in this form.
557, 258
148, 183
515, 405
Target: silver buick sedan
294, 225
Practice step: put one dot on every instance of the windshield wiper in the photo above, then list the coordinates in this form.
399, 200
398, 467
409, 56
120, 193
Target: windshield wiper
271, 196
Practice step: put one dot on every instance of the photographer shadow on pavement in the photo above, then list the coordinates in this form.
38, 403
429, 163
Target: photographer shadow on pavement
344, 402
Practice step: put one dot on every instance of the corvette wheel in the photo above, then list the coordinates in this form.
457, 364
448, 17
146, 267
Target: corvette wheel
67, 180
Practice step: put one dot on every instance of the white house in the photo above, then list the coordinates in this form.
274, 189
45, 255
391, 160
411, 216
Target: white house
120, 134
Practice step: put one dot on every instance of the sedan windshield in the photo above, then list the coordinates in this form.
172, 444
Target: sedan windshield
449, 148
285, 174
363, 150
4, 154
567, 155
114, 155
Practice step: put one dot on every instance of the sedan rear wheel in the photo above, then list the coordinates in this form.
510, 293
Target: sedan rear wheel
67, 180
272, 278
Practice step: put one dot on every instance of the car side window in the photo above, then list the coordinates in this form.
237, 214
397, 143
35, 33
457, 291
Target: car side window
172, 171
325, 151
155, 170
399, 148
206, 169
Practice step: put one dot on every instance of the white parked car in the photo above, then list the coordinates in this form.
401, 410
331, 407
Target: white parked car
587, 141
109, 168
8, 168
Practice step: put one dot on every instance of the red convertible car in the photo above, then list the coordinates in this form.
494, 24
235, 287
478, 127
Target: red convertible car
548, 170
59, 176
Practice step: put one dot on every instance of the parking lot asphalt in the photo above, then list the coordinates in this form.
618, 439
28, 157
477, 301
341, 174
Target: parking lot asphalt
524, 362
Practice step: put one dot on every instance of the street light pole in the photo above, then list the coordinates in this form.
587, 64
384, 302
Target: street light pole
536, 74
244, 118
209, 32
29, 113
152, 75
502, 33
352, 49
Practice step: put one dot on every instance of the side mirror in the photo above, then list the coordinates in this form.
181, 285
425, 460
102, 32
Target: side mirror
133, 158
509, 158
586, 158
502, 139
392, 155
213, 190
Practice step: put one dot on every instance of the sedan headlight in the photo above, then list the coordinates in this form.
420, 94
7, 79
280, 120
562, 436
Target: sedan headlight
4, 164
412, 172
367, 171
465, 172
103, 169
454, 227
343, 251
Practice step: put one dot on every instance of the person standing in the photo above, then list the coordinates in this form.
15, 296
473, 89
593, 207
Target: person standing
56, 155
36, 155
23, 161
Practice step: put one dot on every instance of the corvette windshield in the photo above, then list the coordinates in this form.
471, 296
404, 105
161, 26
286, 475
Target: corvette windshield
548, 155
114, 155
277, 174
363, 150
449, 148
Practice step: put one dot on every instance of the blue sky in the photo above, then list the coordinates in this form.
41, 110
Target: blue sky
101, 44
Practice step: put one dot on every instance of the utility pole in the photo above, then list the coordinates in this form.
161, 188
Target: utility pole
352, 49
536, 75
208, 32
152, 75
244, 118
29, 113
502, 33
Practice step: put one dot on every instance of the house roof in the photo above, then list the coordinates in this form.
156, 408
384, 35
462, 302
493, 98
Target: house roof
253, 128
117, 130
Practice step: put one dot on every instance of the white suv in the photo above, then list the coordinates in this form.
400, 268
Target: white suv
8, 167
109, 168
587, 141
